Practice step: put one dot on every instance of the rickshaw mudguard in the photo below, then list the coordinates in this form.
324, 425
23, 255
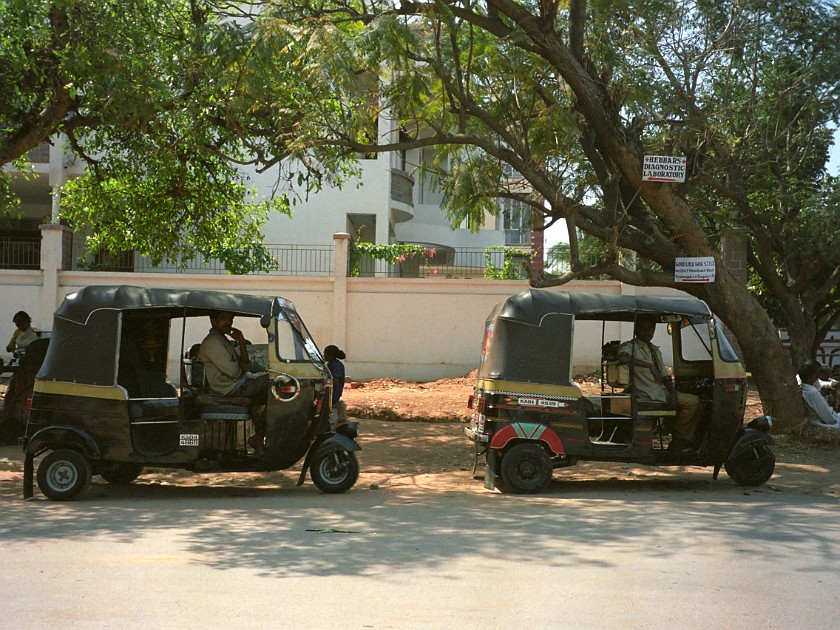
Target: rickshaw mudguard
533, 431
323, 444
747, 439
65, 437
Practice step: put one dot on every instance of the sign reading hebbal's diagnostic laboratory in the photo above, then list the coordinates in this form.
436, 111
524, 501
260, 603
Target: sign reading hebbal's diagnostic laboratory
663, 168
694, 269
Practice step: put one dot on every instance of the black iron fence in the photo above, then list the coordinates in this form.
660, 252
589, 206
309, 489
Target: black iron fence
282, 260
497, 263
20, 252
504, 263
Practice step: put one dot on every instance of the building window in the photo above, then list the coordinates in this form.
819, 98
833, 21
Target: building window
516, 217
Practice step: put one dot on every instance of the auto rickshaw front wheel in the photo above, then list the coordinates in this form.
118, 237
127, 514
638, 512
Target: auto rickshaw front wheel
336, 471
63, 475
752, 467
526, 468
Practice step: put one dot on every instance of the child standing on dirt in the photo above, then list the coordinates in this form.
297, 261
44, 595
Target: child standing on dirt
334, 355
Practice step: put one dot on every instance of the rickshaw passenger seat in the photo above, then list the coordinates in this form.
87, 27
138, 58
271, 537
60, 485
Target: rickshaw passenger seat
197, 374
153, 408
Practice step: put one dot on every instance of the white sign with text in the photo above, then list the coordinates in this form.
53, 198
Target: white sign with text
694, 269
663, 168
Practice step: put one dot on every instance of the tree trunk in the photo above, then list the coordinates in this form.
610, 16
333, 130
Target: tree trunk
766, 357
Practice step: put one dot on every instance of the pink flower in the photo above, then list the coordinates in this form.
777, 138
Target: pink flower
434, 271
400, 259
432, 252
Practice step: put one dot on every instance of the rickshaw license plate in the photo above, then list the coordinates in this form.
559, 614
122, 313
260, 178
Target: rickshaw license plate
188, 439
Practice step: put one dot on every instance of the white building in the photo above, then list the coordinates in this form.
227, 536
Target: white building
388, 204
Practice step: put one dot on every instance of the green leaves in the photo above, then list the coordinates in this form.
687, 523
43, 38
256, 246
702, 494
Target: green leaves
165, 102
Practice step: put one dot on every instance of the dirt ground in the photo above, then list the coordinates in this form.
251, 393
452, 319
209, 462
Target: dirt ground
412, 439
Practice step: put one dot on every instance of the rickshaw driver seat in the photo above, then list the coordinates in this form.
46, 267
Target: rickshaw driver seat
213, 407
617, 376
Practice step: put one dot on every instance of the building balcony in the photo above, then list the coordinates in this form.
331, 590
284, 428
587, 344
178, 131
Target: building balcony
402, 196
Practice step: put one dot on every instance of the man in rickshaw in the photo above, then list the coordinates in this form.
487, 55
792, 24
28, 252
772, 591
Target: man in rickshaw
226, 368
653, 386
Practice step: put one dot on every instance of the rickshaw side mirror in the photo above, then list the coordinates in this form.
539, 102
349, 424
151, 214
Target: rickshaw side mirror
265, 321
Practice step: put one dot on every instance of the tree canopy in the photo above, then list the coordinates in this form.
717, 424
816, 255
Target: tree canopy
556, 102
165, 101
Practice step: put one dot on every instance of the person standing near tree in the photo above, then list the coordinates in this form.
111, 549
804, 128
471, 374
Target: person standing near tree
334, 355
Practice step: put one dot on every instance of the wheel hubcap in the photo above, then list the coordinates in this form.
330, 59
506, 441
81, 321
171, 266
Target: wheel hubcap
527, 469
62, 475
333, 468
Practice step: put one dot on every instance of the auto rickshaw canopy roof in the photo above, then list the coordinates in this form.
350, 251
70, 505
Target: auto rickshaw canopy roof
532, 305
86, 326
529, 336
77, 307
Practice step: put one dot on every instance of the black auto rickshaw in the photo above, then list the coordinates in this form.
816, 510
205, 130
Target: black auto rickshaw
104, 402
529, 417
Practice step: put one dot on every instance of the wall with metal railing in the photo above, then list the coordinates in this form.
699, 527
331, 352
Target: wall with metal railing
319, 261
287, 260
18, 252
413, 328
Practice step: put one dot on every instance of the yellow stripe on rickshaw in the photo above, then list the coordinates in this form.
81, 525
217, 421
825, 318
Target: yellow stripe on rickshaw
518, 388
64, 388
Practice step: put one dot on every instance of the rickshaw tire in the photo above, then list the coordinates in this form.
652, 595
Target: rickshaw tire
335, 472
752, 467
120, 473
63, 475
526, 468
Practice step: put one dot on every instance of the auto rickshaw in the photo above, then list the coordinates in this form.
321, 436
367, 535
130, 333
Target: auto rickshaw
104, 401
529, 417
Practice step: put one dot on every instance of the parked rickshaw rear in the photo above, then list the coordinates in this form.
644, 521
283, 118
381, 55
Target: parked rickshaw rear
121, 389
529, 417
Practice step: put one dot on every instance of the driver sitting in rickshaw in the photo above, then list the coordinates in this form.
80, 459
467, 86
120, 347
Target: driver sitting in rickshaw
226, 368
652, 384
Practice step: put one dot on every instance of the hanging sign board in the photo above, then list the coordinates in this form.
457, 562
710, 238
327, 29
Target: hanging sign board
695, 269
663, 168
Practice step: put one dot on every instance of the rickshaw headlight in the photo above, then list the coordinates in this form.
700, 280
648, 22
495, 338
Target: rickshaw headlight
285, 388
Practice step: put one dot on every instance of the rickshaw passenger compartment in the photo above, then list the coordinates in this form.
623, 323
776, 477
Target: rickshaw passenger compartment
154, 425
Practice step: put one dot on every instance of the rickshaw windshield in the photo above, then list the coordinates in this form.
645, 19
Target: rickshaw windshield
695, 344
727, 353
293, 341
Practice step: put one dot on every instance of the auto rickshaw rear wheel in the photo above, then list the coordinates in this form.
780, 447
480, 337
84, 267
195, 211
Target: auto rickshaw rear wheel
120, 473
63, 475
526, 468
335, 472
752, 467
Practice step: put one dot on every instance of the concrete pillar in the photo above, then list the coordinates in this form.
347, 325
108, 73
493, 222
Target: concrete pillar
341, 241
538, 251
52, 257
58, 176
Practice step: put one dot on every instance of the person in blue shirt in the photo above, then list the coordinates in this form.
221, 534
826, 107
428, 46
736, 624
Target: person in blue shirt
334, 356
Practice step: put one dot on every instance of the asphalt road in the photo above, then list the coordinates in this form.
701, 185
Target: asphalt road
610, 554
